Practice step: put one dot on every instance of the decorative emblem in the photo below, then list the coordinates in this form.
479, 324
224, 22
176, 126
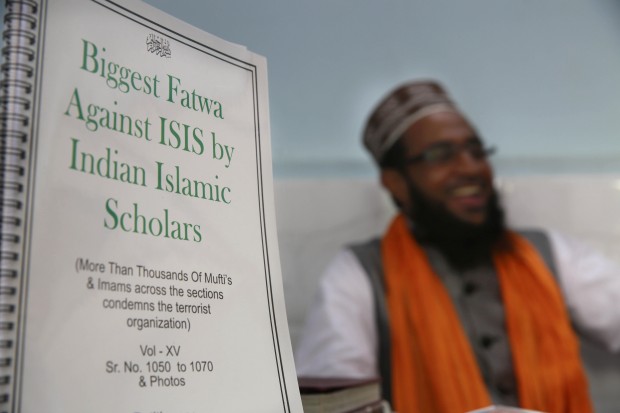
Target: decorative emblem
158, 45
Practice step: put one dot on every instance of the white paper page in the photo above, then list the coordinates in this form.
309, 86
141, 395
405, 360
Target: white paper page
153, 277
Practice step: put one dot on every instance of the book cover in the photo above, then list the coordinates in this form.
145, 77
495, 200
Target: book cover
140, 267
340, 395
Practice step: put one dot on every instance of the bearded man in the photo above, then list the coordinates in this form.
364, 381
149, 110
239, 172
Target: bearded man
453, 310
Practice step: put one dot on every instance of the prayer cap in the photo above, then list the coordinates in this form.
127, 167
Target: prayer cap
400, 109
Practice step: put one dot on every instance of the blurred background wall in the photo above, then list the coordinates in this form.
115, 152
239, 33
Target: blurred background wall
539, 78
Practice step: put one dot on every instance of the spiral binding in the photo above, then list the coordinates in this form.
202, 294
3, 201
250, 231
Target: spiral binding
16, 87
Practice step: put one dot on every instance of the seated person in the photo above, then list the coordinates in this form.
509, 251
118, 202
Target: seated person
452, 309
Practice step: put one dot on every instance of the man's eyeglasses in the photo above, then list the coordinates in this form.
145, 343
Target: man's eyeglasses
448, 152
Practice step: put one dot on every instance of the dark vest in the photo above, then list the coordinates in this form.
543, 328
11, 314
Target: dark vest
476, 296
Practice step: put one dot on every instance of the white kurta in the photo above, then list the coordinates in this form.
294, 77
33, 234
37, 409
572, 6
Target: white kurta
340, 335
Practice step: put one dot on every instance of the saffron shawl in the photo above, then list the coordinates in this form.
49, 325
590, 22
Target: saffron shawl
434, 369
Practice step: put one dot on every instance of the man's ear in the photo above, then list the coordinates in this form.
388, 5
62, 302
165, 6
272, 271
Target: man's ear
395, 183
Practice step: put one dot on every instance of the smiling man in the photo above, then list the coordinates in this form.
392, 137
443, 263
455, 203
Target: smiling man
451, 308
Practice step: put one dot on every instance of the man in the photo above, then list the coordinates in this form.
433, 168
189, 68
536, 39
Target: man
452, 309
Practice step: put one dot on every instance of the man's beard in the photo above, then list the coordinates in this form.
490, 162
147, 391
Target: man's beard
465, 245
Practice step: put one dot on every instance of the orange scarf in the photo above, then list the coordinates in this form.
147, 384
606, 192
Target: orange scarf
434, 369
